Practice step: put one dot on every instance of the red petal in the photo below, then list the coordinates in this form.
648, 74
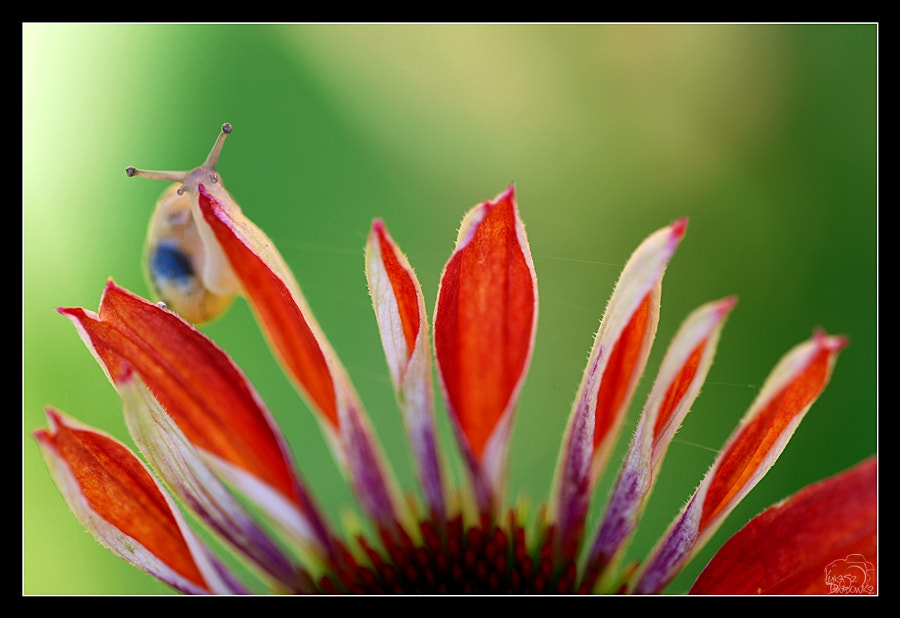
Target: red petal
276, 302
485, 319
119, 489
195, 381
620, 376
403, 284
303, 351
755, 442
801, 544
400, 313
701, 329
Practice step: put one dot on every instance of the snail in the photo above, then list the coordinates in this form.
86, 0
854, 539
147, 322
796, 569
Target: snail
184, 266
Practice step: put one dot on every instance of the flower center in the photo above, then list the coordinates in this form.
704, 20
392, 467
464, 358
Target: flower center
455, 558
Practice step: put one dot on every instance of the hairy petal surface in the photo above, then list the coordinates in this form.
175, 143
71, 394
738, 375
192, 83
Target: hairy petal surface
305, 353
403, 324
792, 387
615, 365
683, 371
117, 499
821, 540
208, 398
484, 327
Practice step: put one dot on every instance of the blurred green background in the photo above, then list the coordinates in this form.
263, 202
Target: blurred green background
763, 135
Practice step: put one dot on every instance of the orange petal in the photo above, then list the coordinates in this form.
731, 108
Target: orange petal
821, 540
631, 348
199, 386
617, 360
404, 291
625, 365
400, 312
792, 387
303, 350
484, 326
783, 401
699, 336
683, 371
118, 500
190, 477
278, 303
485, 318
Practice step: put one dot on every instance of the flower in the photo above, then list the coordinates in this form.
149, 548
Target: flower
207, 434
